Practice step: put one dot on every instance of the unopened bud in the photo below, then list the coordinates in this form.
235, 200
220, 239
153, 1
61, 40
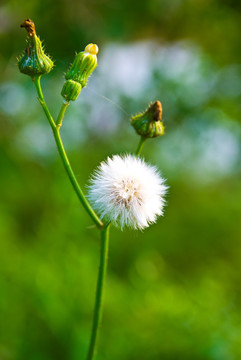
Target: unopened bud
149, 124
84, 64
34, 62
71, 90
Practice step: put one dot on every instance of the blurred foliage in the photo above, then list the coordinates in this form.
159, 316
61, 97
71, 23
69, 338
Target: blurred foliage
173, 291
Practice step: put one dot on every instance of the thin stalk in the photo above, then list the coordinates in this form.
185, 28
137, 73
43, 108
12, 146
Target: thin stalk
64, 156
99, 292
73, 179
42, 102
61, 114
140, 145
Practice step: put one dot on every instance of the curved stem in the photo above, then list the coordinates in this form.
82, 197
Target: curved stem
99, 291
63, 154
140, 145
73, 179
42, 101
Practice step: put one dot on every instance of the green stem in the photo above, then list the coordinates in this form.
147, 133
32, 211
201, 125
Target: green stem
140, 145
73, 179
63, 154
42, 102
99, 291
61, 114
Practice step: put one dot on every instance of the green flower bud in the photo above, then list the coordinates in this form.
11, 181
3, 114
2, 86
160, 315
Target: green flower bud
71, 90
34, 62
84, 64
149, 124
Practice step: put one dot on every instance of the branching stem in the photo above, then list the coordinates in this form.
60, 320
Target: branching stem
104, 229
60, 146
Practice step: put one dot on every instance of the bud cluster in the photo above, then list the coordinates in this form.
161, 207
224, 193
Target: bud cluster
35, 62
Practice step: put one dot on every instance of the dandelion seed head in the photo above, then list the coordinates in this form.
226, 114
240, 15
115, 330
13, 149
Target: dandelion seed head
127, 191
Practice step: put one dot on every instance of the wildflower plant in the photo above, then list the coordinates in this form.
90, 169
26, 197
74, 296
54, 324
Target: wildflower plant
124, 190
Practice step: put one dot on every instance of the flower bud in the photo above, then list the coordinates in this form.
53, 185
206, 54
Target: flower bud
34, 62
71, 90
149, 124
84, 64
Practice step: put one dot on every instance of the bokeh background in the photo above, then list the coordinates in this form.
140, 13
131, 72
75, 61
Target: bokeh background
174, 290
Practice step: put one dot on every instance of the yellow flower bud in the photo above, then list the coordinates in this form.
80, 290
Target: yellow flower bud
84, 64
92, 49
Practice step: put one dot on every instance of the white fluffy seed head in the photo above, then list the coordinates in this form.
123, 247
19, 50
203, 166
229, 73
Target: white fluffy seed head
127, 191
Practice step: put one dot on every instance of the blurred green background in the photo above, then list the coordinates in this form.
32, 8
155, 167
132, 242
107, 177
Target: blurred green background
174, 290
